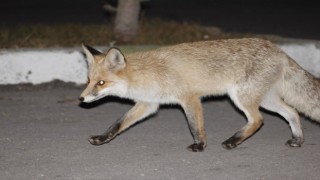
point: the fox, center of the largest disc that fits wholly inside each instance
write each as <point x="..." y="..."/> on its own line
<point x="253" y="72"/>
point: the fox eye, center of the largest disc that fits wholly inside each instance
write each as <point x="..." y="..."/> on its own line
<point x="101" y="82"/>
<point x="88" y="81"/>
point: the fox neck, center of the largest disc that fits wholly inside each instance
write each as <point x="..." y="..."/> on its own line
<point x="145" y="87"/>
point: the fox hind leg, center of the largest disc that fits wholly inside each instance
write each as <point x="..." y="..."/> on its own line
<point x="251" y="110"/>
<point x="254" y="123"/>
<point x="274" y="103"/>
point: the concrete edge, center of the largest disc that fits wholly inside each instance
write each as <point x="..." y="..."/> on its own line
<point x="37" y="66"/>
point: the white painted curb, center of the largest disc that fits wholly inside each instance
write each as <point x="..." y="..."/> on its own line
<point x="34" y="66"/>
<point x="306" y="55"/>
<point x="39" y="66"/>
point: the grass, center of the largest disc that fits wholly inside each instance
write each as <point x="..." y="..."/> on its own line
<point x="152" y="32"/>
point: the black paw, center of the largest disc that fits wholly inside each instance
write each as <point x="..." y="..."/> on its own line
<point x="197" y="147"/>
<point x="232" y="142"/>
<point x="229" y="145"/>
<point x="112" y="132"/>
<point x="295" y="142"/>
<point x="99" y="139"/>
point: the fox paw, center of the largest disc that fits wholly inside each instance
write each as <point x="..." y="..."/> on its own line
<point x="294" y="142"/>
<point x="112" y="132"/>
<point x="229" y="145"/>
<point x="99" y="139"/>
<point x="233" y="141"/>
<point x="197" y="147"/>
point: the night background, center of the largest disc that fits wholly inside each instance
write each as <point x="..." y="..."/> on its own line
<point x="297" y="19"/>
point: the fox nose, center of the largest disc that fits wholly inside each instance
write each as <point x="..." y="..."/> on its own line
<point x="81" y="98"/>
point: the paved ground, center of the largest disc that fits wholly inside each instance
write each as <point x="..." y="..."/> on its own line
<point x="44" y="131"/>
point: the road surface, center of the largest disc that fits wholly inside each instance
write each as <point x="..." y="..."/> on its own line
<point x="44" y="134"/>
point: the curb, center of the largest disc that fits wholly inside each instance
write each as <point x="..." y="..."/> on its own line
<point x="39" y="66"/>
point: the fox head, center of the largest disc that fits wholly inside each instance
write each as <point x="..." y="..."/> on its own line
<point x="106" y="74"/>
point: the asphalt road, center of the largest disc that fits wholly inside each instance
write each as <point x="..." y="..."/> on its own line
<point x="294" y="19"/>
<point x="44" y="132"/>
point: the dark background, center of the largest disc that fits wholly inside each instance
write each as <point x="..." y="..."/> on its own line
<point x="288" y="18"/>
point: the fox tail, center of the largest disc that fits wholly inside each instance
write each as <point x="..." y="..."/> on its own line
<point x="301" y="90"/>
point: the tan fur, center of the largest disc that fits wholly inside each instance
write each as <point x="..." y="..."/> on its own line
<point x="253" y="72"/>
<point x="138" y="112"/>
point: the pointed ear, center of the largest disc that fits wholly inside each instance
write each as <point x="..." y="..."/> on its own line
<point x="115" y="59"/>
<point x="90" y="52"/>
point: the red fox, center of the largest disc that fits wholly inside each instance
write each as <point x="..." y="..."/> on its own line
<point x="253" y="72"/>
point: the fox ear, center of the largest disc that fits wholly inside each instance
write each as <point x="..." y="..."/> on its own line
<point x="90" y="52"/>
<point x="115" y="59"/>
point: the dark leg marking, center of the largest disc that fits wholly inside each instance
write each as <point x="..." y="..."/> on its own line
<point x="233" y="141"/>
<point x="106" y="137"/>
<point x="197" y="147"/>
<point x="295" y="142"/>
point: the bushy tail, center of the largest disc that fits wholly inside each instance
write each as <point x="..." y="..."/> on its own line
<point x="301" y="90"/>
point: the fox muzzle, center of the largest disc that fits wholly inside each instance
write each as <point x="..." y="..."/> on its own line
<point x="81" y="99"/>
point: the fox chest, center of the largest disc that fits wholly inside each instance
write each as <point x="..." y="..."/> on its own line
<point x="154" y="95"/>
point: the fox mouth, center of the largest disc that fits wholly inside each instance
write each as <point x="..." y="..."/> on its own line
<point x="91" y="98"/>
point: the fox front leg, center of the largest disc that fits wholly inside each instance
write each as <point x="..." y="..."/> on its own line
<point x="138" y="112"/>
<point x="193" y="110"/>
